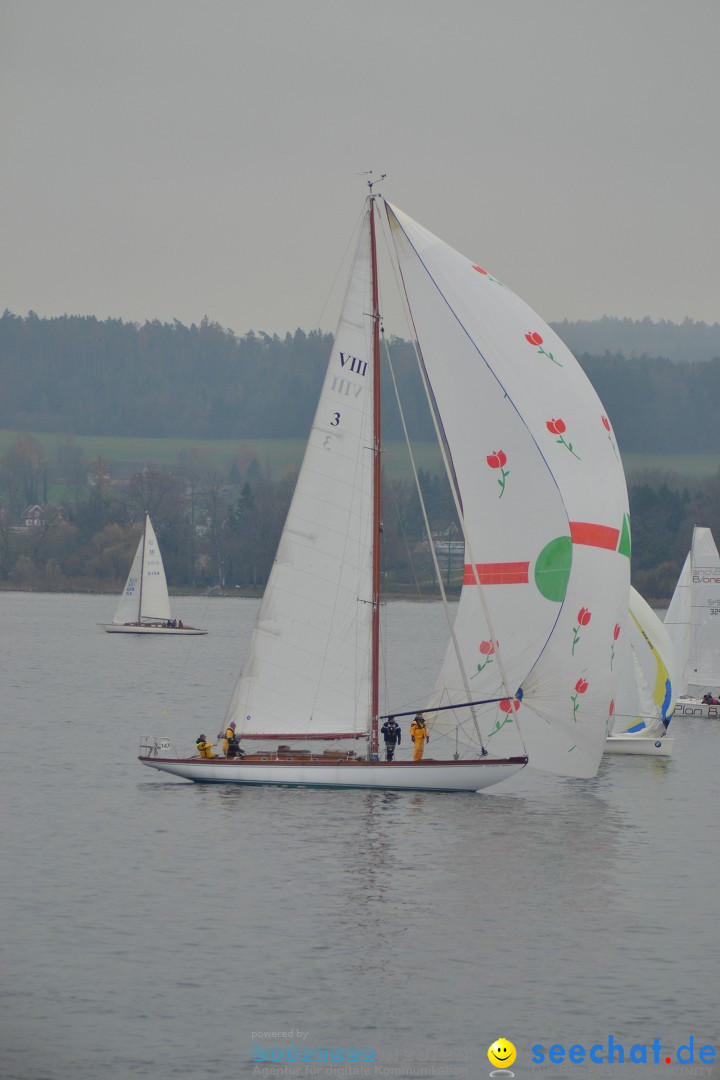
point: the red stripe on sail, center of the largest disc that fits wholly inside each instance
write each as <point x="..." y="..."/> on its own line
<point x="600" y="536"/>
<point x="497" y="573"/>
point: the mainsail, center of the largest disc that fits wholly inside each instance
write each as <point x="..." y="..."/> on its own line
<point x="308" y="673"/>
<point x="145" y="596"/>
<point x="544" y="510"/>
<point x="693" y="618"/>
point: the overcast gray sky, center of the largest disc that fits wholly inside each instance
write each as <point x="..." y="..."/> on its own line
<point x="175" y="159"/>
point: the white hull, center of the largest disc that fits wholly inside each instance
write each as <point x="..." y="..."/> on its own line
<point x="122" y="628"/>
<point x="388" y="776"/>
<point x="644" y="745"/>
<point x="696" y="707"/>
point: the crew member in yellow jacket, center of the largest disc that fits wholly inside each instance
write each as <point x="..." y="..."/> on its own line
<point x="226" y="736"/>
<point x="205" y="747"/>
<point x="419" y="736"/>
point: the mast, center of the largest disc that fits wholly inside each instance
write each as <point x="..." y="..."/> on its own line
<point x="377" y="523"/>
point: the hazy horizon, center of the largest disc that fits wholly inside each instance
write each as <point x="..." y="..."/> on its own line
<point x="177" y="160"/>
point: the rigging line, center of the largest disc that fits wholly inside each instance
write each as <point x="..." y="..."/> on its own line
<point x="447" y="708"/>
<point x="453" y="486"/>
<point x="340" y="266"/>
<point x="436" y="566"/>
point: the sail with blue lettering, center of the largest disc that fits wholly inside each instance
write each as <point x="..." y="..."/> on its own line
<point x="145" y="596"/>
<point x="693" y="618"/>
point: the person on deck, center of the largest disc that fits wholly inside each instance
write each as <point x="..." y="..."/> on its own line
<point x="233" y="747"/>
<point x="205" y="747"/>
<point x="419" y="736"/>
<point x="392" y="734"/>
<point x="226" y="736"/>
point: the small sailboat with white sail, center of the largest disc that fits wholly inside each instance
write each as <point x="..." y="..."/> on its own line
<point x="643" y="705"/>
<point x="541" y="500"/>
<point x="693" y="623"/>
<point x="144" y="607"/>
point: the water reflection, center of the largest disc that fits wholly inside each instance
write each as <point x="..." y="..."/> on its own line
<point x="365" y="911"/>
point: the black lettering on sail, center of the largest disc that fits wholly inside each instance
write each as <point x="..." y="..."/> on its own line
<point x="356" y="365"/>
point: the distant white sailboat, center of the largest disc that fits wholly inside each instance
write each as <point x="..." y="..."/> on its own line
<point x="645" y="696"/>
<point x="693" y="623"/>
<point x="545" y="527"/>
<point x="144" y="606"/>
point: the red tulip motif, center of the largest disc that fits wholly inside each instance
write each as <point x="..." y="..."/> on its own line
<point x="509" y="707"/>
<point x="487" y="648"/>
<point x="557" y="427"/>
<point x="583" y="619"/>
<point x="580" y="688"/>
<point x="609" y="722"/>
<point x="616" y="635"/>
<point x="497" y="460"/>
<point x="533" y="338"/>
<point x="483" y="271"/>
<point x="606" y="425"/>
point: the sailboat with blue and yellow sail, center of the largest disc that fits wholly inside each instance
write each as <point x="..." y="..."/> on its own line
<point x="643" y="706"/>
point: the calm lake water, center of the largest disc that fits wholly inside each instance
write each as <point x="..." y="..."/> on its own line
<point x="152" y="928"/>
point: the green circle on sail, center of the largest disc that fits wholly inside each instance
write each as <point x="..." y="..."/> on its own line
<point x="552" y="568"/>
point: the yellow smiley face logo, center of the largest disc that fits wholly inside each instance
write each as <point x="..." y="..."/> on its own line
<point x="502" y="1053"/>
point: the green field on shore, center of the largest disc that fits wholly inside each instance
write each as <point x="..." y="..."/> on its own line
<point x="275" y="456"/>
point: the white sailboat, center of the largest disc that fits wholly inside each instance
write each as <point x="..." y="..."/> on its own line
<point x="693" y="623"/>
<point x="546" y="532"/>
<point x="645" y="696"/>
<point x="144" y="607"/>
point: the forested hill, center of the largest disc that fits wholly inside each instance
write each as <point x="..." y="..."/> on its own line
<point x="687" y="341"/>
<point x="110" y="377"/>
